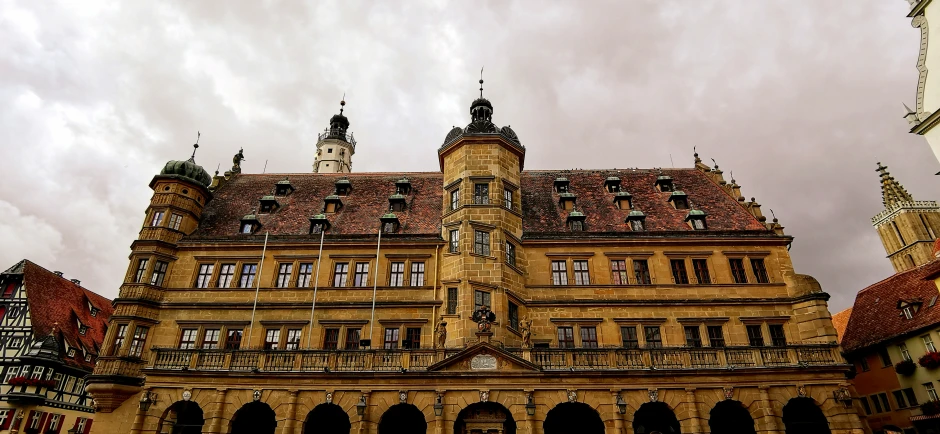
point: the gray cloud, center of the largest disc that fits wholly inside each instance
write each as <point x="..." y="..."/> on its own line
<point x="798" y="99"/>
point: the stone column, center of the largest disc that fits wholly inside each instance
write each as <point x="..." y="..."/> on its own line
<point x="770" y="421"/>
<point x="618" y="418"/>
<point x="219" y="413"/>
<point x="696" y="421"/>
<point x="291" y="413"/>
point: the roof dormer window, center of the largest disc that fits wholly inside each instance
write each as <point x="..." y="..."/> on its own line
<point x="390" y="223"/>
<point x="88" y="357"/>
<point x="332" y="204"/>
<point x="396" y="202"/>
<point x="403" y="186"/>
<point x="343" y="187"/>
<point x="94" y="311"/>
<point x="696" y="219"/>
<point x="623" y="200"/>
<point x="909" y="307"/>
<point x="283" y="188"/>
<point x="249" y="224"/>
<point x="319" y="224"/>
<point x="269" y="204"/>
<point x="612" y="184"/>
<point x="71" y="352"/>
<point x="679" y="200"/>
<point x="637" y="221"/>
<point x="82" y="330"/>
<point x="561" y="185"/>
<point x="576" y="221"/>
<point x="567" y="200"/>
<point x="664" y="183"/>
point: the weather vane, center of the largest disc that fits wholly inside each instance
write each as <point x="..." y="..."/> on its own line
<point x="196" y="145"/>
<point x="481" y="82"/>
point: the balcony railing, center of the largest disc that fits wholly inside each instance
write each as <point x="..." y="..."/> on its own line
<point x="340" y="135"/>
<point x="548" y="359"/>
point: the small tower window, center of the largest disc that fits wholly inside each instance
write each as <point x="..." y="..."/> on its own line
<point x="329" y="150"/>
<point x="664" y="183"/>
<point x="623" y="200"/>
<point x="481" y="194"/>
<point x="561" y="185"/>
<point x="612" y="184"/>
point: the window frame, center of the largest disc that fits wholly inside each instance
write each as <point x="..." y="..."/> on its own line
<point x="715" y="340"/>
<point x="693" y="336"/>
<point x="330" y="338"/>
<point x="138" y="341"/>
<point x="285" y="273"/>
<point x="187" y="338"/>
<point x="454" y="241"/>
<point x="176" y="220"/>
<point x="361" y="274"/>
<point x="247" y="274"/>
<point x="158" y="275"/>
<point x="755" y="335"/>
<point x="508" y="198"/>
<point x="588" y="335"/>
<point x="928" y="343"/>
<point x="700" y="269"/>
<point x="759" y="268"/>
<point x="481" y="193"/>
<point x="680" y="273"/>
<point x="738" y="273"/>
<point x="204" y="274"/>
<point x="481" y="242"/>
<point x="141" y="272"/>
<point x="452" y="300"/>
<point x="482" y="298"/>
<point x="391" y="338"/>
<point x="618" y="272"/>
<point x="234" y="337"/>
<point x="652" y="336"/>
<point x="512" y="315"/>
<point x="582" y="277"/>
<point x="340" y="274"/>
<point x="510" y="253"/>
<point x="304" y="277"/>
<point x="641" y="272"/>
<point x="559" y="272"/>
<point x="156" y="218"/>
<point x="396" y="273"/>
<point x="565" y="336"/>
<point x="778" y="335"/>
<point x="226" y="275"/>
<point x="629" y="340"/>
<point x="931" y="391"/>
<point x="455" y="199"/>
<point x="416" y="277"/>
<point x="413" y="337"/>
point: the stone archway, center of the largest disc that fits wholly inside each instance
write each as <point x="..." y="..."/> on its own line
<point x="730" y="417"/>
<point x="253" y="418"/>
<point x="327" y="419"/>
<point x="803" y="416"/>
<point x="183" y="417"/>
<point x="403" y="419"/>
<point x="485" y="418"/>
<point x="573" y="417"/>
<point x="655" y="417"/>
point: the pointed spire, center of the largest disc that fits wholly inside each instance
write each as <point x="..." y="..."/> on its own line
<point x="195" y="147"/>
<point x="892" y="191"/>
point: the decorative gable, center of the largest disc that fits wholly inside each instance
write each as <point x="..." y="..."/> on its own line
<point x="483" y="357"/>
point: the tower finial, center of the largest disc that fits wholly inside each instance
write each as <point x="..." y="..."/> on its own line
<point x="892" y="191"/>
<point x="481" y="82"/>
<point x="195" y="146"/>
<point x="342" y="103"/>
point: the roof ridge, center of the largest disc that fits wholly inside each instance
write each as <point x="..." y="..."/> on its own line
<point x="897" y="275"/>
<point x="66" y="280"/>
<point x="734" y="199"/>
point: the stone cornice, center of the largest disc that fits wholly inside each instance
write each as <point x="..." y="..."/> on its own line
<point x="899" y="207"/>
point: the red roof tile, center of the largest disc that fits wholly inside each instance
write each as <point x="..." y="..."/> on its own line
<point x="840" y="321"/>
<point x="876" y="317"/>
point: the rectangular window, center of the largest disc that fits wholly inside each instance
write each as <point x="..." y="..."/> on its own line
<point x="899" y="399"/>
<point x="233" y="339"/>
<point x="588" y="337"/>
<point x="284" y="271"/>
<point x="293" y="339"/>
<point x="362" y="274"/>
<point x="693" y="337"/>
<point x="654" y="339"/>
<point x="303" y="275"/>
<point x="931" y="392"/>
<point x="513" y="314"/>
<point x="906" y="355"/>
<point x="37" y="373"/>
<point x="159" y="272"/>
<point x="188" y="339"/>
<point x="157" y="218"/>
<point x="391" y="339"/>
<point x="451" y="301"/>
<point x="413" y="335"/>
<point x="911" y="397"/>
<point x="417" y="274"/>
<point x="863" y="362"/>
<point x="481" y="298"/>
<point x="330" y="339"/>
<point x="716" y="336"/>
<point x="396" y="276"/>
<point x="618" y="269"/>
<point x="247" y="277"/>
<point x="641" y="270"/>
<point x="205" y="274"/>
<point x="679" y="275"/>
<point x="760" y="271"/>
<point x="885" y="358"/>
<point x="565" y="337"/>
<point x="226" y="273"/>
<point x="507" y="198"/>
<point x="884" y="401"/>
<point x="12" y="372"/>
<point x="636" y="225"/>
<point x="777" y="337"/>
<point x="352" y="339"/>
<point x="340" y="272"/>
<point x="141" y="270"/>
<point x="737" y="270"/>
<point x="581" y="274"/>
<point x="559" y="273"/>
<point x="454" y="240"/>
<point x="865" y="404"/>
<point x="454" y="199"/>
<point x="119" y="338"/>
<point x="210" y="340"/>
<point x="272" y="338"/>
<point x="510" y="253"/>
<point x="481" y="194"/>
<point x="175" y="221"/>
<point x="481" y="243"/>
<point x="137" y="344"/>
<point x="877" y="403"/>
<point x="629" y="337"/>
<point x="928" y="344"/>
<point x="701" y="271"/>
<point x="755" y="337"/>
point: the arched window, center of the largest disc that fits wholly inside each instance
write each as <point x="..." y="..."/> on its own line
<point x="183" y="417"/>
<point x="403" y="419"/>
<point x="573" y="417"/>
<point x="655" y="417"/>
<point x="327" y="419"/>
<point x="730" y="417"/>
<point x="484" y="417"/>
<point x="803" y="416"/>
<point x="254" y="418"/>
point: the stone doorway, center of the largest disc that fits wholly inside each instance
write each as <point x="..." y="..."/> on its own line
<point x="730" y="417"/>
<point x="655" y="418"/>
<point x="183" y="417"/>
<point x="485" y="418"/>
<point x="254" y="418"/>
<point x="403" y="419"/>
<point x="327" y="419"/>
<point x="803" y="416"/>
<point x="573" y="417"/>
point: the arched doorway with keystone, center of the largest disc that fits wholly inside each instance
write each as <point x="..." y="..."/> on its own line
<point x="655" y="418"/>
<point x="403" y="419"/>
<point x="327" y="419"/>
<point x="573" y="417"/>
<point x="485" y="418"/>
<point x="254" y="418"/>
<point x="803" y="416"/>
<point x="730" y="417"/>
<point x="183" y="417"/>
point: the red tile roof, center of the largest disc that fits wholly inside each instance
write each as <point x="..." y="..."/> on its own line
<point x="56" y="302"/>
<point x="840" y="321"/>
<point x="876" y="317"/>
<point x="542" y="214"/>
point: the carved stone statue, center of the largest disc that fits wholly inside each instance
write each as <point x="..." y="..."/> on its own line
<point x="441" y="333"/>
<point x="484" y="318"/>
<point x="525" y="326"/>
<point x="237" y="161"/>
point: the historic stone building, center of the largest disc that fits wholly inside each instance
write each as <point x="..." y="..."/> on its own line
<point x="481" y="298"/>
<point x="926" y="112"/>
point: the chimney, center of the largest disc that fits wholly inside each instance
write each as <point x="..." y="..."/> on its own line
<point x="77" y="282"/>
<point x="57" y="273"/>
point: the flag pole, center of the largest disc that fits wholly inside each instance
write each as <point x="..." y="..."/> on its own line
<point x="375" y="284"/>
<point x="316" y="282"/>
<point x="251" y="325"/>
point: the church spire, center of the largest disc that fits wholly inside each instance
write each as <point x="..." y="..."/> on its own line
<point x="892" y="191"/>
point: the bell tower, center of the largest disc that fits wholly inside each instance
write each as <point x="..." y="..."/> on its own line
<point x="907" y="227"/>
<point x="335" y="146"/>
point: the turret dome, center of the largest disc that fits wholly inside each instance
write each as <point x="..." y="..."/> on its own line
<point x="187" y="170"/>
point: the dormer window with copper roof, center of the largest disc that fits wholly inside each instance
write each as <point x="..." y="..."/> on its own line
<point x="664" y="183"/>
<point x="343" y="187"/>
<point x="332" y="203"/>
<point x="576" y="221"/>
<point x="319" y="224"/>
<point x="623" y="200"/>
<point x="250" y="224"/>
<point x="390" y="223"/>
<point x="696" y="219"/>
<point x="612" y="184"/>
<point x="637" y="221"/>
<point x="396" y="202"/>
<point x="561" y="185"/>
<point x="283" y="188"/>
<point x="567" y="200"/>
<point x="679" y="199"/>
<point x="403" y="186"/>
<point x="269" y="204"/>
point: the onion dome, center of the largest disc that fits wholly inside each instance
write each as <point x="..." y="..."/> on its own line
<point x="188" y="171"/>
<point x="339" y="123"/>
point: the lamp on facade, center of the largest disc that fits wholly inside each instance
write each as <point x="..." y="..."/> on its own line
<point x="146" y="399"/>
<point x="361" y="406"/>
<point x="439" y="406"/>
<point x="621" y="405"/>
<point x="530" y="405"/>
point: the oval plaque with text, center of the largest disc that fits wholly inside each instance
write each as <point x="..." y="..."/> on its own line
<point x="483" y="362"/>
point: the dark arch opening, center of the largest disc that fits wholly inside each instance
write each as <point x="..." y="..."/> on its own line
<point x="573" y="417"/>
<point x="892" y="429"/>
<point x="484" y="418"/>
<point x="655" y="417"/>
<point x="327" y="419"/>
<point x="183" y="417"/>
<point x="803" y="416"/>
<point x="254" y="418"/>
<point x="403" y="419"/>
<point x="730" y="417"/>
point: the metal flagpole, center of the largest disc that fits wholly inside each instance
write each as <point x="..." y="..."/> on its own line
<point x="375" y="284"/>
<point x="316" y="281"/>
<point x="251" y="326"/>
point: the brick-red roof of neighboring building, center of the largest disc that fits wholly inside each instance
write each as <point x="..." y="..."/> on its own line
<point x="876" y="317"/>
<point x="840" y="321"/>
<point x="542" y="214"/>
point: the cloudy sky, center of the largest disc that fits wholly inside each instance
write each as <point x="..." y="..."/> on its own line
<point x="798" y="98"/>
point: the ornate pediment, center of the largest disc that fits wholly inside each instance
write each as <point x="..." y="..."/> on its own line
<point x="484" y="357"/>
